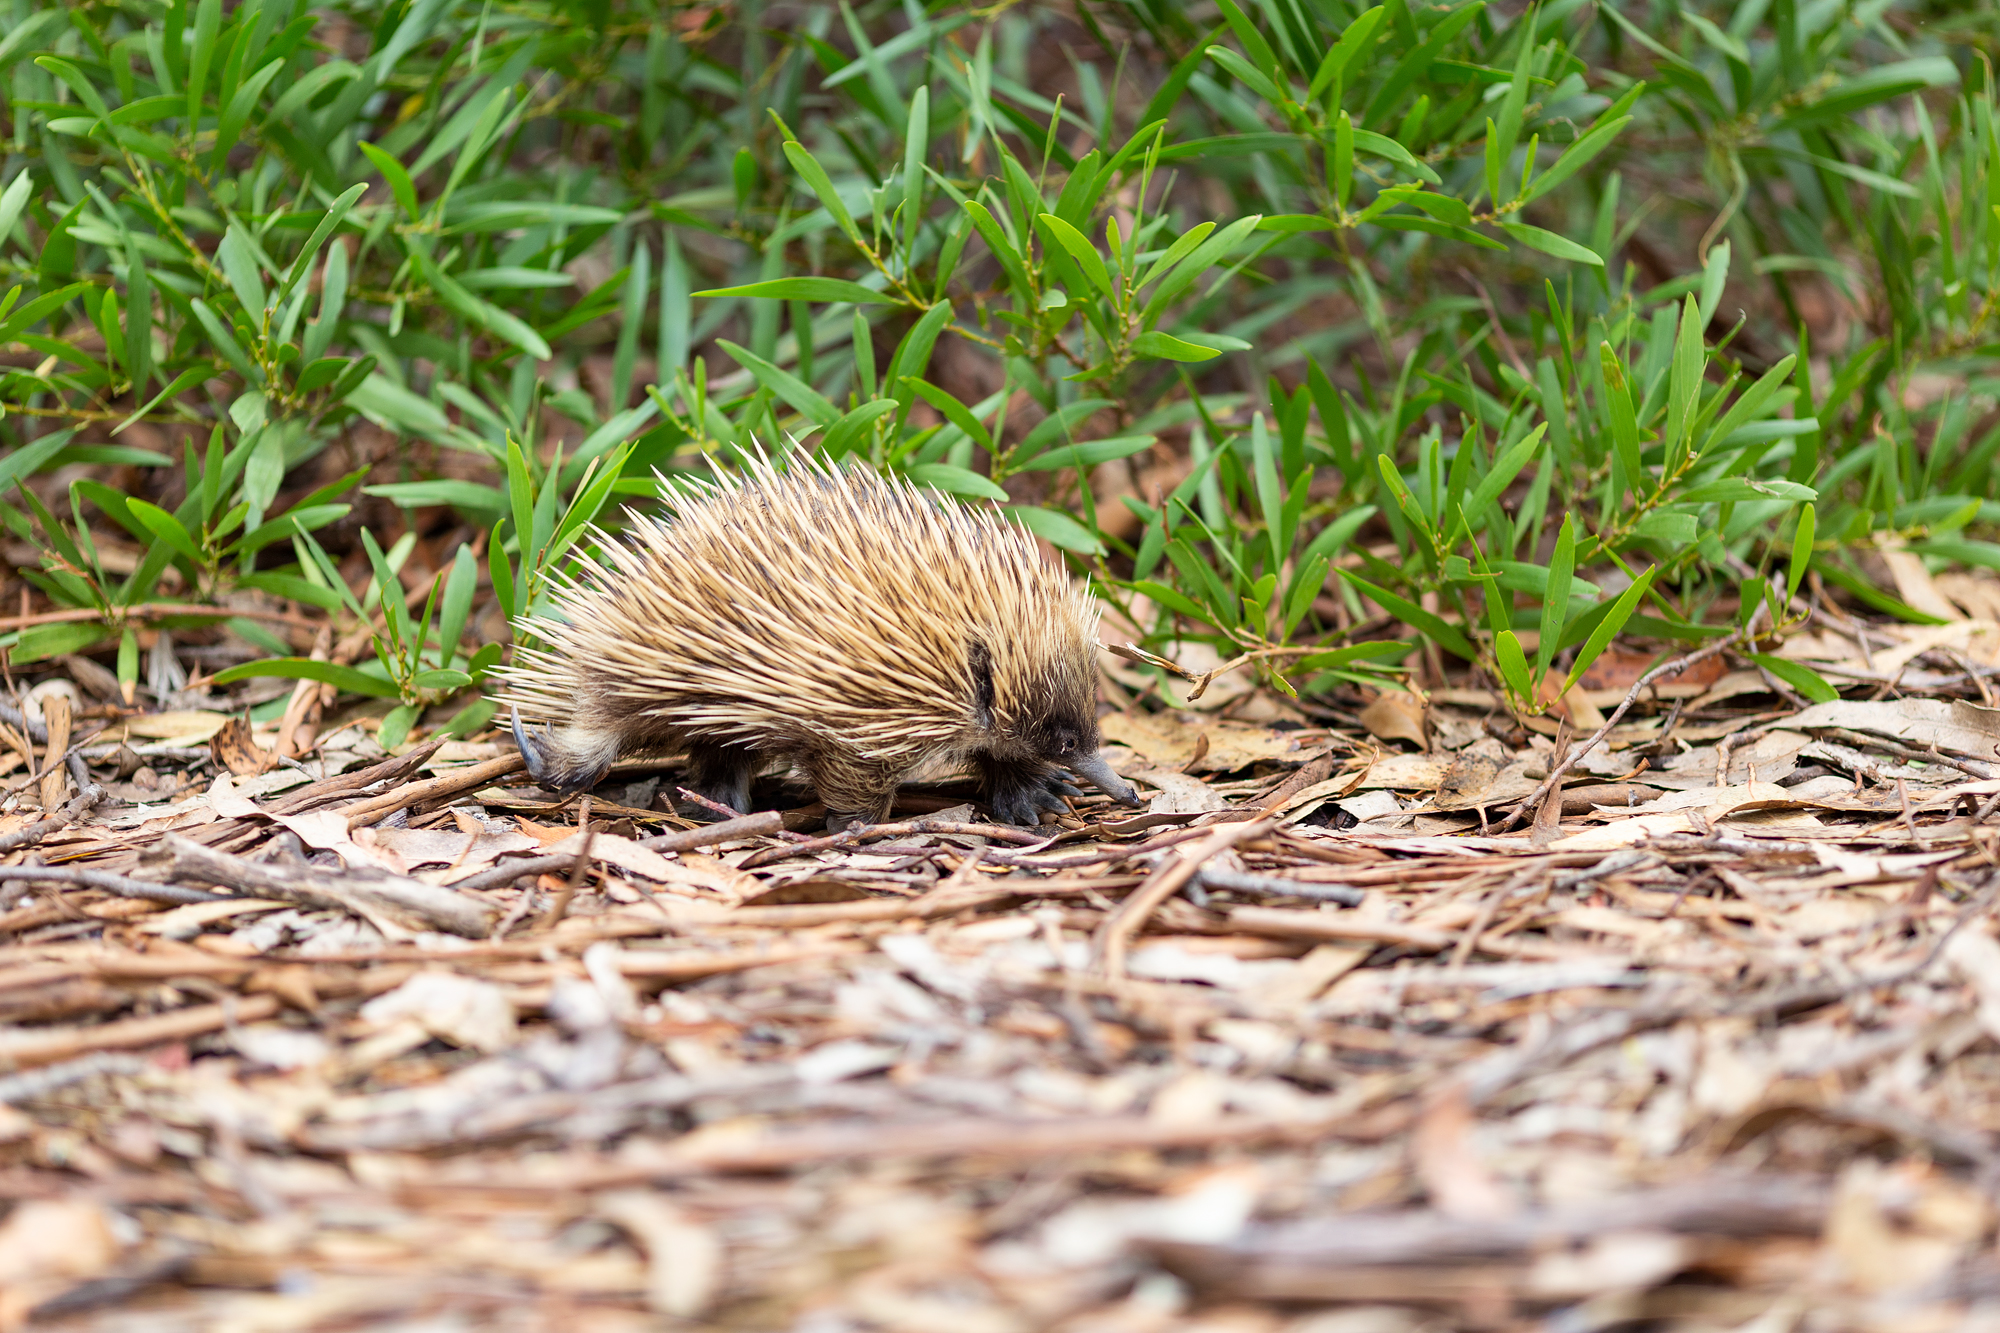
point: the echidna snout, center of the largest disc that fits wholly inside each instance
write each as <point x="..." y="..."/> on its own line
<point x="848" y="624"/>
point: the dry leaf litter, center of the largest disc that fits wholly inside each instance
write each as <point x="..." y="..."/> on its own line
<point x="1705" y="1037"/>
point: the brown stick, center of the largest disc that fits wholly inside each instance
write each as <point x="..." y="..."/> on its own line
<point x="1108" y="949"/>
<point x="303" y="708"/>
<point x="974" y="1137"/>
<point x="41" y="828"/>
<point x="996" y="832"/>
<point x="450" y="784"/>
<point x="408" y="901"/>
<point x="689" y="965"/>
<point x="40" y="1046"/>
<point x="507" y="872"/>
<point x="1289" y="924"/>
<point x="340" y="784"/>
<point x="156" y="611"/>
<point x="763" y="824"/>
<point x="580" y="866"/>
<point x="1671" y="668"/>
<point x="100" y="879"/>
<point x="55" y="713"/>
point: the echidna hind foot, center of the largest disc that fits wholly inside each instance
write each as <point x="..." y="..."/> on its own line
<point x="721" y="773"/>
<point x="567" y="758"/>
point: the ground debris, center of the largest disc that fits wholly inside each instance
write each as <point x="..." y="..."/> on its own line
<point x="1312" y="1045"/>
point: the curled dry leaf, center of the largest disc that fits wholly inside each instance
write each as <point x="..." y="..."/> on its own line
<point x="235" y="749"/>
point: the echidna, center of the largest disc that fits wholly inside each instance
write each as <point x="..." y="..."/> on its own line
<point x="850" y="624"/>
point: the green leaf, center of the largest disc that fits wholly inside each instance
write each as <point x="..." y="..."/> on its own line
<point x="225" y="342"/>
<point x="389" y="404"/>
<point x="850" y="430"/>
<point x="807" y="289"/>
<point x="32" y="458"/>
<point x="1438" y="630"/>
<point x="1249" y="74"/>
<point x="1555" y="601"/>
<point x="1166" y="347"/>
<point x="1506" y="133"/>
<point x="1609" y="627"/>
<point x="395" y="728"/>
<point x="1056" y="528"/>
<point x="1797" y="675"/>
<point x="321" y="373"/>
<point x="335" y="214"/>
<point x="1551" y="244"/>
<point x="1335" y="62"/>
<point x="1435" y="227"/>
<point x="517" y="214"/>
<point x="239" y="265"/>
<point x="34" y="311"/>
<point x="470" y="719"/>
<point x="1199" y="260"/>
<point x="1009" y="259"/>
<point x="821" y="184"/>
<point x="44" y="641"/>
<point x="208" y="21"/>
<point x="1802" y="551"/>
<point x="913" y="353"/>
<point x="956" y="481"/>
<point x="1393" y="481"/>
<point x="167" y="528"/>
<point x="957" y="413"/>
<point x="12" y="200"/>
<point x="1752" y="400"/>
<point x="1079" y="247"/>
<point x="1509" y="465"/>
<point x="74" y="77"/>
<point x="1732" y="489"/>
<point x="1624" y="425"/>
<point x="392" y="171"/>
<point x="1576" y="157"/>
<point x="785" y="385"/>
<point x="229" y="127"/>
<point x="1513" y="665"/>
<point x="1381" y="145"/>
<point x="292" y="588"/>
<point x="1088" y="454"/>
<point x="1876" y="85"/>
<point x="1177" y="602"/>
<point x="473" y="495"/>
<point x="501" y="323"/>
<point x="1184" y="244"/>
<point x="1676" y="527"/>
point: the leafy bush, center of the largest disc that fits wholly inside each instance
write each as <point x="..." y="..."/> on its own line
<point x="1361" y="316"/>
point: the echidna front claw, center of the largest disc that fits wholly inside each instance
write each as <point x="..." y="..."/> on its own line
<point x="531" y="753"/>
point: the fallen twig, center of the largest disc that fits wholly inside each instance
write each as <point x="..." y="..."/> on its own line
<point x="1108" y="949"/>
<point x="24" y="1047"/>
<point x="42" y="1082"/>
<point x="417" y="793"/>
<point x="102" y="879"/>
<point x="1276" y="885"/>
<point x="1674" y="667"/>
<point x="995" y="832"/>
<point x="79" y="805"/>
<point x="412" y="902"/>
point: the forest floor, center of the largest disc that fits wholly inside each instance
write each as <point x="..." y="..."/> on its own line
<point x="1708" y="1039"/>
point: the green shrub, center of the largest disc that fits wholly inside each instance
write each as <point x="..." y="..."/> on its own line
<point x="1351" y="278"/>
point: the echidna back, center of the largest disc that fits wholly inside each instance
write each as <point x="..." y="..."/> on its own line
<point x="817" y="604"/>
